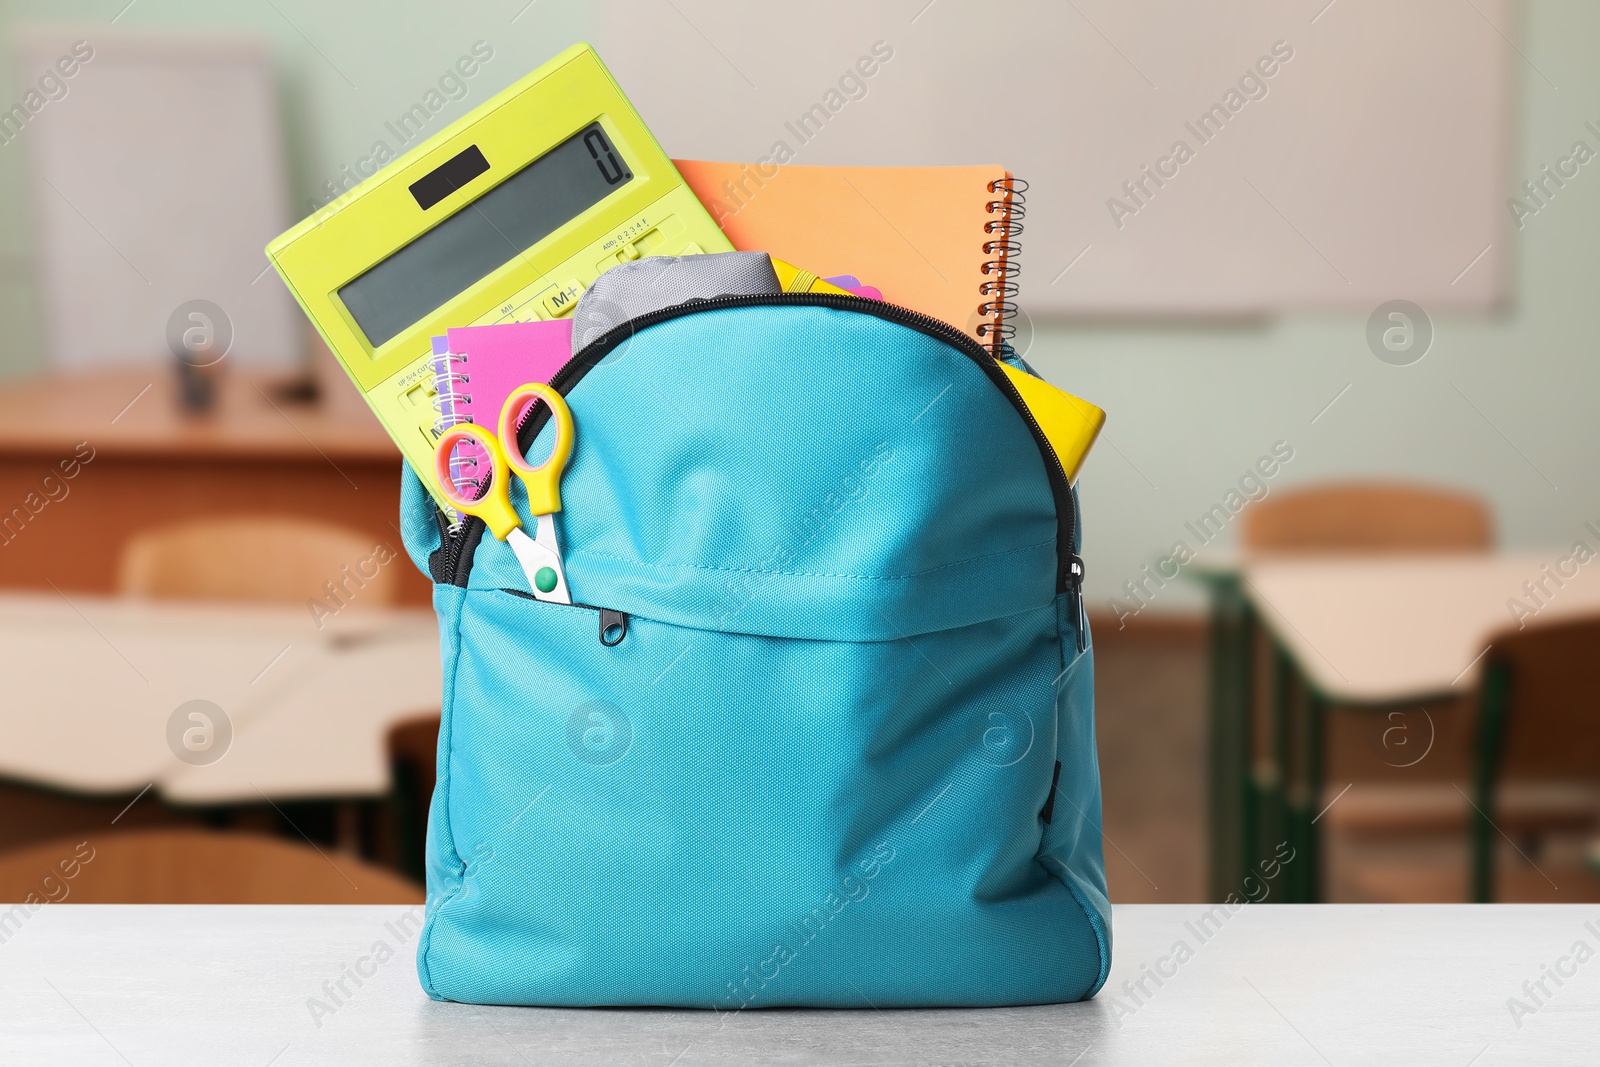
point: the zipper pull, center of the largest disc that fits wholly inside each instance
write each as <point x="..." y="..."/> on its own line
<point x="1075" y="589"/>
<point x="613" y="627"/>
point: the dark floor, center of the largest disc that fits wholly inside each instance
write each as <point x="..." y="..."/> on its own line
<point x="1150" y="694"/>
<point x="1150" y="691"/>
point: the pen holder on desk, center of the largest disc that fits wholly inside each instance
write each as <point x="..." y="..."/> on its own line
<point x="199" y="334"/>
<point x="197" y="387"/>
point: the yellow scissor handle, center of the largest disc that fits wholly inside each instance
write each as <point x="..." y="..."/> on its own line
<point x="494" y="506"/>
<point x="543" y="481"/>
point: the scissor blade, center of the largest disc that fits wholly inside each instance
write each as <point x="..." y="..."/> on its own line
<point x="536" y="556"/>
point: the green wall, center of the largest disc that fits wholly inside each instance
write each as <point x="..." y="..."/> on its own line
<point x="1192" y="404"/>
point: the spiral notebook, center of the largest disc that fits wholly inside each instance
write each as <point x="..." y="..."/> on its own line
<point x="480" y="366"/>
<point x="476" y="367"/>
<point x="939" y="240"/>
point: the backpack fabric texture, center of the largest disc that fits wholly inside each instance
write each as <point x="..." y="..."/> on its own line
<point x="831" y="741"/>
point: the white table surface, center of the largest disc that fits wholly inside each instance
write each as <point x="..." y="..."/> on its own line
<point x="1279" y="985"/>
<point x="91" y="682"/>
<point x="1376" y="629"/>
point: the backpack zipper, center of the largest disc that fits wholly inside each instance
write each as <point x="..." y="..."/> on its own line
<point x="457" y="547"/>
<point x="613" y="624"/>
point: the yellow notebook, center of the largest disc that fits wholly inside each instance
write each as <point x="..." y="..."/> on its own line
<point x="1070" y="423"/>
<point x="939" y="240"/>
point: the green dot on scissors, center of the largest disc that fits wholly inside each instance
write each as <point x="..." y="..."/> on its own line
<point x="545" y="579"/>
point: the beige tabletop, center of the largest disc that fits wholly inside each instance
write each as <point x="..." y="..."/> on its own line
<point x="326" y="736"/>
<point x="1377" y="629"/>
<point x="92" y="683"/>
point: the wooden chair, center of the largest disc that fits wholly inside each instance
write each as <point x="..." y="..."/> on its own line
<point x="261" y="558"/>
<point x="194" y="867"/>
<point x="1538" y="724"/>
<point x="1535" y="777"/>
<point x="1367" y="517"/>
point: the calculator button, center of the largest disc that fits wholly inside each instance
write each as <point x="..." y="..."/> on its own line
<point x="563" y="300"/>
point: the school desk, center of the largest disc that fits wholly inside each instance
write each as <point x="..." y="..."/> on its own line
<point x="1369" y="632"/>
<point x="1317" y="985"/>
<point x="327" y="736"/>
<point x="92" y="683"/>
<point x="153" y="465"/>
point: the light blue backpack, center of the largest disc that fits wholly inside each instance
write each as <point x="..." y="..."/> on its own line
<point x="825" y="736"/>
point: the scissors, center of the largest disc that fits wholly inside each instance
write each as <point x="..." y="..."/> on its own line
<point x="540" y="557"/>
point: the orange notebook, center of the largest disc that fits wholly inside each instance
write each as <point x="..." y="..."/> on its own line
<point x="939" y="240"/>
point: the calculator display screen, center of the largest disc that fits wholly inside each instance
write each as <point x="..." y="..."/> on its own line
<point x="485" y="234"/>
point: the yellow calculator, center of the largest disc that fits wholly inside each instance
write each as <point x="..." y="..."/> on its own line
<point x="506" y="215"/>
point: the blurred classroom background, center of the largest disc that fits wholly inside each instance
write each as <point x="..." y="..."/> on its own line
<point x="1337" y="530"/>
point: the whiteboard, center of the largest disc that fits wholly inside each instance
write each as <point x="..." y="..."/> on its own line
<point x="1371" y="165"/>
<point x="156" y="180"/>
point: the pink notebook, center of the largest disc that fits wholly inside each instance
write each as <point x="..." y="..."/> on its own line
<point x="481" y="365"/>
<point x="487" y="362"/>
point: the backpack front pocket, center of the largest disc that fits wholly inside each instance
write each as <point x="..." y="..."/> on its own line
<point x="726" y="820"/>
